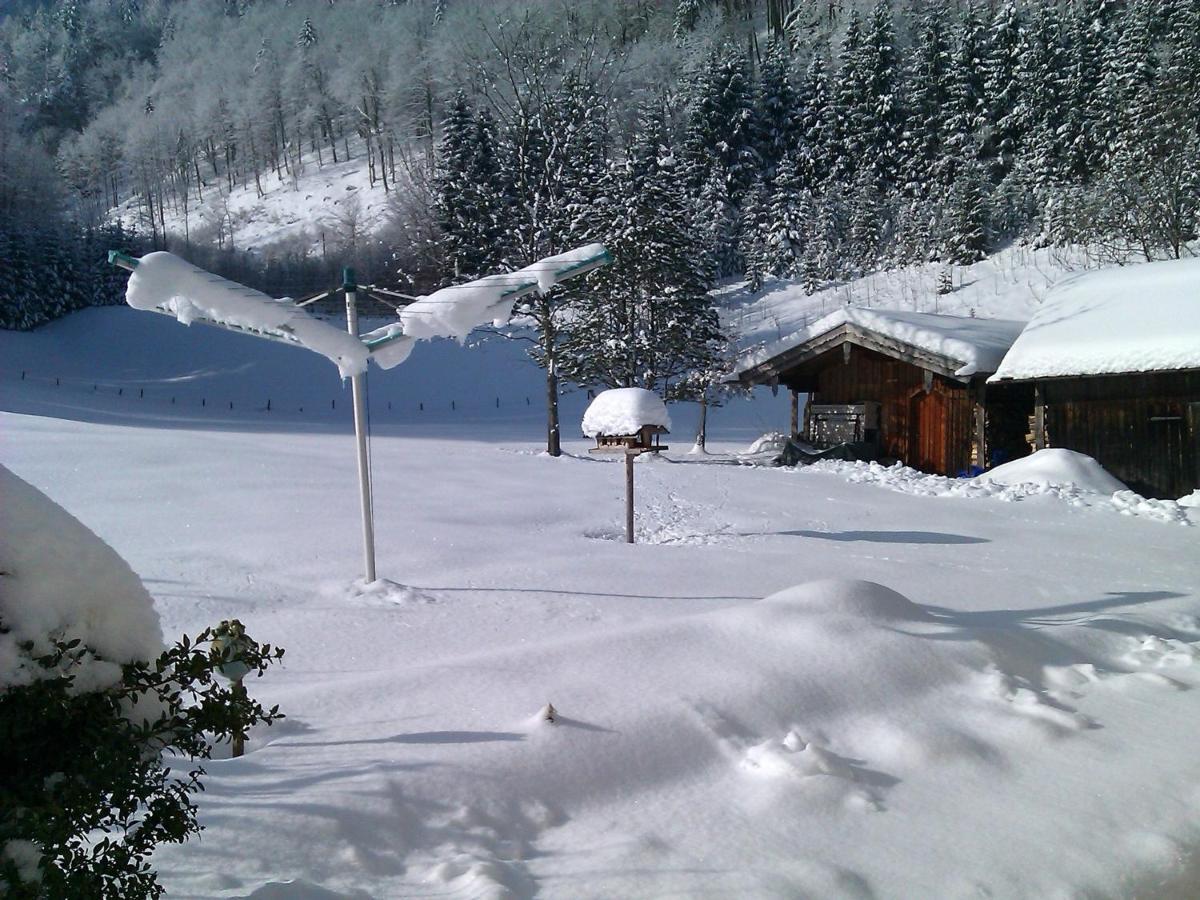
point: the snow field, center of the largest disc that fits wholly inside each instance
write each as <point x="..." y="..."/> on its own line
<point x="1005" y="715"/>
<point x="942" y="694"/>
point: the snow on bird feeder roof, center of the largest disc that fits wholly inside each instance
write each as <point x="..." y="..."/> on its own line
<point x="1142" y="318"/>
<point x="625" y="411"/>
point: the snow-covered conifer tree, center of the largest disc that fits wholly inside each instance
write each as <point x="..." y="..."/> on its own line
<point x="646" y="320"/>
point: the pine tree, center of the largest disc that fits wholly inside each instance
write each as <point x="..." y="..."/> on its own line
<point x="646" y="320"/>
<point x="720" y="127"/>
<point x="1007" y="112"/>
<point x="882" y="117"/>
<point x="784" y="222"/>
<point x="1045" y="84"/>
<point x="851" y="101"/>
<point x="929" y="91"/>
<point x="754" y="236"/>
<point x="963" y="236"/>
<point x="717" y="225"/>
<point x="817" y="125"/>
<point x="686" y="14"/>
<point x="965" y="113"/>
<point x="308" y="34"/>
<point x="465" y="200"/>
<point x="776" y="128"/>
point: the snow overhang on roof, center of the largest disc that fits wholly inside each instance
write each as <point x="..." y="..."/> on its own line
<point x="954" y="346"/>
<point x="1124" y="320"/>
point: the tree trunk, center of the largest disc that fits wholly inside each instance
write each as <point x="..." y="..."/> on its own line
<point x="553" y="442"/>
<point x="702" y="429"/>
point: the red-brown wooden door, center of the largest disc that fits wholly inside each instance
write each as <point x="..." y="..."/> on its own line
<point x="927" y="445"/>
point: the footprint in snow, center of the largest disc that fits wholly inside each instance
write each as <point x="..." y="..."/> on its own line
<point x="1162" y="653"/>
<point x="794" y="758"/>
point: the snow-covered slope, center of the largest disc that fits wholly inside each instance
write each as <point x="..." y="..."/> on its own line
<point x="319" y="207"/>
<point x="121" y="365"/>
<point x="1009" y="285"/>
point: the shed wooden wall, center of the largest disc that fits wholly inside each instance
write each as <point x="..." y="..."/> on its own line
<point x="1144" y="429"/>
<point x="930" y="433"/>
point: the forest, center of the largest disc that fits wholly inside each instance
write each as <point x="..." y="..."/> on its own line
<point x="699" y="139"/>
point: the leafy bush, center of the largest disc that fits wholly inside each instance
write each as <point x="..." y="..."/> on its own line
<point x="86" y="787"/>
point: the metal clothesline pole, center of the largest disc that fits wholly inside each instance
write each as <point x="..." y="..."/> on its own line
<point x="357" y="386"/>
<point x="375" y="343"/>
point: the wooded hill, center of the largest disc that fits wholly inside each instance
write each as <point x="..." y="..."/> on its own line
<point x="810" y="145"/>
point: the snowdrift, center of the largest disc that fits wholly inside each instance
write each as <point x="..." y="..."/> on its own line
<point x="1056" y="467"/>
<point x="58" y="580"/>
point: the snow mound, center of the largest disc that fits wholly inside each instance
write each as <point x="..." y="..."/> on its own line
<point x="1192" y="500"/>
<point x="58" y="580"/>
<point x="1055" y="466"/>
<point x="848" y="597"/>
<point x="164" y="282"/>
<point x="624" y="411"/>
<point x="1141" y="318"/>
<point x="771" y="442"/>
<point x="905" y="480"/>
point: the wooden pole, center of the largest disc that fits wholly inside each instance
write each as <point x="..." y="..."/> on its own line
<point x="629" y="497"/>
<point x="795" y="430"/>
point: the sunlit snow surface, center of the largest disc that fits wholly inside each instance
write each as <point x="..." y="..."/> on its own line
<point x="951" y="688"/>
<point x="1141" y="318"/>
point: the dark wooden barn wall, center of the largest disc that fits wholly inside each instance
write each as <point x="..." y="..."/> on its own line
<point x="1144" y="429"/>
<point x="931" y="431"/>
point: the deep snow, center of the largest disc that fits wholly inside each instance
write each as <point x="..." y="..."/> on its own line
<point x="952" y="688"/>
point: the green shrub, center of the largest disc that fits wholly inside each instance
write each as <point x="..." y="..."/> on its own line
<point x="87" y="788"/>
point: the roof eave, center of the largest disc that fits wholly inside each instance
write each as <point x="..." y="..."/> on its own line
<point x="770" y="370"/>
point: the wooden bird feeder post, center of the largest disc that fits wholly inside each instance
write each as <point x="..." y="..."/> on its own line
<point x="644" y="439"/>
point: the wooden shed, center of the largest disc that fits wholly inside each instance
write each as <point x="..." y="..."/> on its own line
<point x="908" y="386"/>
<point x="1112" y="359"/>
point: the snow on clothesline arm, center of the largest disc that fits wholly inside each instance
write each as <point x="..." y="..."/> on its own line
<point x="162" y="282"/>
<point x="454" y="311"/>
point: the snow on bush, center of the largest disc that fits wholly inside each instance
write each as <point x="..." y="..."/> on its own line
<point x="163" y="281"/>
<point x="59" y="581"/>
<point x="91" y="708"/>
<point x="624" y="411"/>
<point x="1056" y="466"/>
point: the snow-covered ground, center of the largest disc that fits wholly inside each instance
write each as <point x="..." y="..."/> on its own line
<point x="840" y="681"/>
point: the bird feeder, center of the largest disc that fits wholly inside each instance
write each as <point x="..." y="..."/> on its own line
<point x="628" y="421"/>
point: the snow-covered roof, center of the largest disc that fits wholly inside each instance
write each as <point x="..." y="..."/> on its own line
<point x="977" y="345"/>
<point x="624" y="411"/>
<point x="1143" y="318"/>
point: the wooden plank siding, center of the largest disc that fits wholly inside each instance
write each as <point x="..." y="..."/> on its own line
<point x="926" y="420"/>
<point x="1144" y="429"/>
